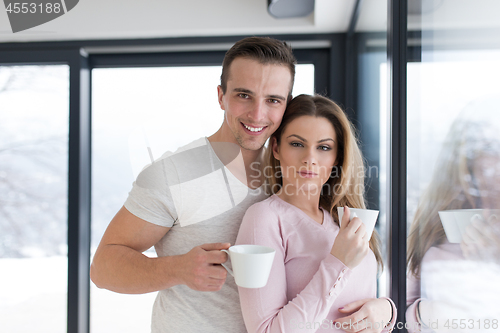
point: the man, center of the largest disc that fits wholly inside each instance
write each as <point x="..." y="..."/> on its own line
<point x="189" y="204"/>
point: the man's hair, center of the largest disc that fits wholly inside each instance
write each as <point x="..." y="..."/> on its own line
<point x="268" y="51"/>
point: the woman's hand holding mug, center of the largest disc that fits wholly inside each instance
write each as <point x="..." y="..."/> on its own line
<point x="352" y="242"/>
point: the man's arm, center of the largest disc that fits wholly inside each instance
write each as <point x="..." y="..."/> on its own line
<point x="120" y="266"/>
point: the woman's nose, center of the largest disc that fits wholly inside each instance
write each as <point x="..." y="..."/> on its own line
<point x="309" y="157"/>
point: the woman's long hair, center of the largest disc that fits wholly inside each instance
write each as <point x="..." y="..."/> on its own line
<point x="454" y="183"/>
<point x="345" y="187"/>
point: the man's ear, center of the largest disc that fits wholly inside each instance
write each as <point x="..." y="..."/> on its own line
<point x="220" y="94"/>
<point x="275" y="148"/>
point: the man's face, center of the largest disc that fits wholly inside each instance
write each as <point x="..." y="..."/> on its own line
<point x="254" y="101"/>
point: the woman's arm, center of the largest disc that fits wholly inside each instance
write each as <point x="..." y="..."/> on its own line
<point x="267" y="309"/>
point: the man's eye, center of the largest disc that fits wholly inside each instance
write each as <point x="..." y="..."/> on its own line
<point x="274" y="101"/>
<point x="243" y="95"/>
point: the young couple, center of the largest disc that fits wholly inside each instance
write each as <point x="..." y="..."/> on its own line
<point x="190" y="205"/>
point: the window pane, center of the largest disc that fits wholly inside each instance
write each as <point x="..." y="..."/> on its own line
<point x="371" y="116"/>
<point x="33" y="198"/>
<point x="304" y="80"/>
<point x="454" y="169"/>
<point x="135" y="112"/>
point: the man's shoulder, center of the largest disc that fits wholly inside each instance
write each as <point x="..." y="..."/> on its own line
<point x="189" y="156"/>
<point x="201" y="142"/>
<point x="166" y="169"/>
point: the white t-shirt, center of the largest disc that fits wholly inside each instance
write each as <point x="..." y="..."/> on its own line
<point x="193" y="193"/>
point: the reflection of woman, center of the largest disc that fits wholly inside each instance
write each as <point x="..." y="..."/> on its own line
<point x="323" y="275"/>
<point x="448" y="281"/>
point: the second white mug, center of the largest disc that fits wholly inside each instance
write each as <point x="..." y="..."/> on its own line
<point x="455" y="221"/>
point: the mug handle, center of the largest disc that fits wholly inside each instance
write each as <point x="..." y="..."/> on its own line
<point x="227" y="268"/>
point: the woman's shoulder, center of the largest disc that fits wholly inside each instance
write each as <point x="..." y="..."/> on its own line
<point x="262" y="221"/>
<point x="272" y="203"/>
<point x="266" y="211"/>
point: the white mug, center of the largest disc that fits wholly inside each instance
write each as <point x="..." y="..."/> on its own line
<point x="251" y="264"/>
<point x="367" y="216"/>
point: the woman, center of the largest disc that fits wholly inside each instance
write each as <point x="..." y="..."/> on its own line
<point x="323" y="276"/>
<point x="450" y="283"/>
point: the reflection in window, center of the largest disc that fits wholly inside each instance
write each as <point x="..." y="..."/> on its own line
<point x="453" y="196"/>
<point x="138" y="114"/>
<point x="33" y="198"/>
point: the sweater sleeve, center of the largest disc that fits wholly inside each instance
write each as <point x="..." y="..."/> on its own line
<point x="268" y="309"/>
<point x="390" y="326"/>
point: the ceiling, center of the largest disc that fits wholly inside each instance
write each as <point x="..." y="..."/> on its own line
<point x="133" y="19"/>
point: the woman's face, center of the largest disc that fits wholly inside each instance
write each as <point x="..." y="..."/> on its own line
<point x="307" y="154"/>
<point x="487" y="174"/>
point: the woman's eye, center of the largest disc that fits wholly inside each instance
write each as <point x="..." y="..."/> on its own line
<point x="325" y="148"/>
<point x="296" y="144"/>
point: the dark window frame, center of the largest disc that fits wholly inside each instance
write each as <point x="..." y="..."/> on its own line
<point x="397" y="38"/>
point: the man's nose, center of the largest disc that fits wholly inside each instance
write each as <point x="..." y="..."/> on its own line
<point x="258" y="111"/>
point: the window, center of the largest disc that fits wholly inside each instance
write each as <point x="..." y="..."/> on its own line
<point x="370" y="108"/>
<point x="453" y="168"/>
<point x="453" y="187"/>
<point x="33" y="198"/>
<point x="138" y="111"/>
